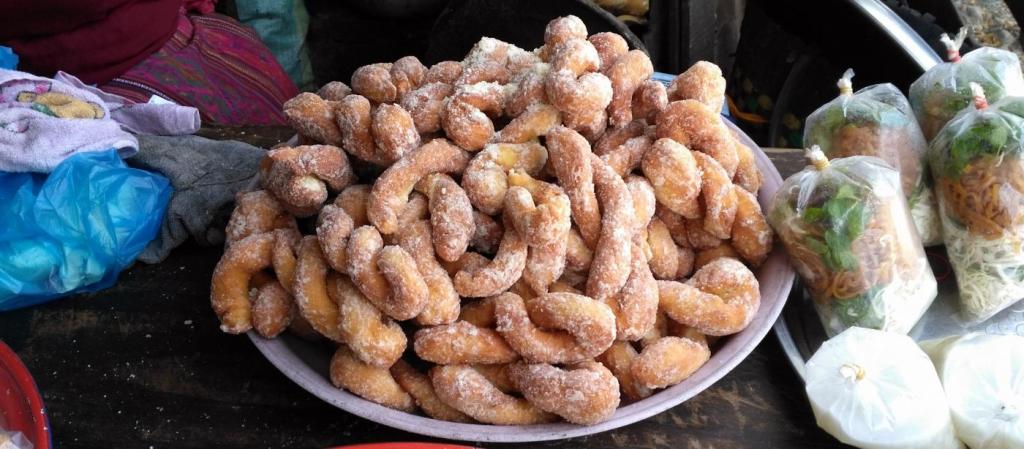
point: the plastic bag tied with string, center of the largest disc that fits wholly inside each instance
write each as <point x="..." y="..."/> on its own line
<point x="944" y="90"/>
<point x="848" y="233"/>
<point x="977" y="164"/>
<point x="878" y="121"/>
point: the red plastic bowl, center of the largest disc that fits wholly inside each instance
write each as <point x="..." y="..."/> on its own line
<point x="21" y="406"/>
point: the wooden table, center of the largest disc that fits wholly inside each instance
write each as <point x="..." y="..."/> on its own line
<point x="144" y="365"/>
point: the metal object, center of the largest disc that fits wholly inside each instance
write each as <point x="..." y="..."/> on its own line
<point x="906" y="37"/>
<point x="306" y="363"/>
<point x="801" y="333"/>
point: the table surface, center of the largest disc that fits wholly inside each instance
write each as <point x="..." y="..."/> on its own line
<point x="144" y="365"/>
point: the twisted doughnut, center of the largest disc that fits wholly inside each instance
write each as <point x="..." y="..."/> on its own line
<point x="443" y="304"/>
<point x="718" y="197"/>
<point x="720" y="299"/>
<point x="310" y="290"/>
<point x="332" y="230"/>
<point x="256" y="212"/>
<point x="573" y="86"/>
<point x="538" y="210"/>
<point x="487" y="233"/>
<point x="626" y="75"/>
<point x="313" y="117"/>
<point x="462" y="343"/>
<point x="561" y="30"/>
<point x="229" y="293"/>
<point x="537" y="120"/>
<point x="705" y="256"/>
<point x="609" y="46"/>
<point x="486" y="180"/>
<point x="644" y="201"/>
<point x="466" y="117"/>
<point x="394" y="131"/>
<point x="584" y="393"/>
<point x="387" y="275"/>
<point x="618" y="359"/>
<point x="418" y="386"/>
<point x="272" y="310"/>
<point x="751" y="236"/>
<point x="611" y="265"/>
<point x="391" y="191"/>
<point x="673" y="172"/>
<point x="692" y="124"/>
<point x="354" y="118"/>
<point x="373" y="337"/>
<point x="747" y="175"/>
<point x="499" y="274"/>
<point x="526" y="89"/>
<point x="635" y="307"/>
<point x="664" y="261"/>
<point x="668" y="361"/>
<point x="369" y="382"/>
<point x="334" y="91"/>
<point x="582" y="327"/>
<point x="649" y="99"/>
<point x="425" y="105"/>
<point x="703" y="82"/>
<point x="445" y="72"/>
<point x="451" y="215"/>
<point x="300" y="177"/>
<point x="468" y="391"/>
<point x="386" y="83"/>
<point x="570" y="157"/>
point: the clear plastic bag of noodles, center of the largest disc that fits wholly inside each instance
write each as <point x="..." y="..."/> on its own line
<point x="943" y="91"/>
<point x="848" y="232"/>
<point x="877" y="121"/>
<point x="979" y="179"/>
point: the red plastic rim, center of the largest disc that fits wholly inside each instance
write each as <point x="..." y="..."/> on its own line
<point x="404" y="446"/>
<point x="21" y="406"/>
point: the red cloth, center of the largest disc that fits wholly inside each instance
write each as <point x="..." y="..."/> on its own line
<point x="95" y="40"/>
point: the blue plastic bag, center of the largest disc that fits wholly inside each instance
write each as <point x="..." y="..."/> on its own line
<point x="8" y="59"/>
<point x="74" y="230"/>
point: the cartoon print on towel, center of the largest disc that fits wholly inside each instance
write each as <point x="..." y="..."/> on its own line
<point x="37" y="95"/>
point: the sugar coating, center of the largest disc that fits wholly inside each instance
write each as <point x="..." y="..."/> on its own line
<point x="367" y="381"/>
<point x="462" y="343"/>
<point x="310" y="289"/>
<point x="585" y="393"/>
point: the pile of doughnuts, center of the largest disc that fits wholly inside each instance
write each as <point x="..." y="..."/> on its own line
<point x="551" y="232"/>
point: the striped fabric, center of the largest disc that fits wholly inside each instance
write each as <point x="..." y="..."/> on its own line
<point x="217" y="65"/>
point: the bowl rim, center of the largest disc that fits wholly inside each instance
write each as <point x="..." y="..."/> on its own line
<point x="729" y="355"/>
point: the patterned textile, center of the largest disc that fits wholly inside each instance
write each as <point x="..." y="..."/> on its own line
<point x="216" y="65"/>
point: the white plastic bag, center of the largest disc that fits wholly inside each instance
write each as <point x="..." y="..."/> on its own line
<point x="878" y="390"/>
<point x="13" y="440"/>
<point x="983" y="376"/>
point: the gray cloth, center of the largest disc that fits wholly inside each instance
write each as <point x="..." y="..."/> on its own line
<point x="206" y="175"/>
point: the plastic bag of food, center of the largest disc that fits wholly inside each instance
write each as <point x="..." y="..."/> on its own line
<point x="877" y="121"/>
<point x="878" y="390"/>
<point x="977" y="164"/>
<point x="847" y="230"/>
<point x="983" y="376"/>
<point x="944" y="89"/>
